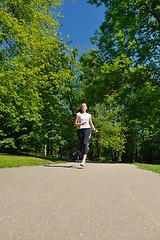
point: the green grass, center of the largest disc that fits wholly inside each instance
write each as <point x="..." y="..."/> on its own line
<point x="150" y="167"/>
<point x="8" y="161"/>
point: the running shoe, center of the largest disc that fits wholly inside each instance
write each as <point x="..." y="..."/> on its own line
<point x="82" y="163"/>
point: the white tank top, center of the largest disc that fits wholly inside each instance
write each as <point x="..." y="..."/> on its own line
<point x="83" y="118"/>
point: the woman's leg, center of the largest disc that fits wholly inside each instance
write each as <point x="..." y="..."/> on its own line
<point x="85" y="144"/>
<point x="87" y="134"/>
<point x="81" y="140"/>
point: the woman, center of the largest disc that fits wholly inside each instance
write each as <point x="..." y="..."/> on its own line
<point x="83" y="121"/>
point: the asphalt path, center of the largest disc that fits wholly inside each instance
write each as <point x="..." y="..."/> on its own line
<point x="66" y="202"/>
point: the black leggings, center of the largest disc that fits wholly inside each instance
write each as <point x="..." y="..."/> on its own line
<point x="84" y="135"/>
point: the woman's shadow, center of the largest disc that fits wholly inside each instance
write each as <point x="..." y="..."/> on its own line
<point x="62" y="166"/>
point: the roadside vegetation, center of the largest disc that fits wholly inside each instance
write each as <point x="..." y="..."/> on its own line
<point x="43" y="80"/>
<point x="150" y="167"/>
<point x="9" y="161"/>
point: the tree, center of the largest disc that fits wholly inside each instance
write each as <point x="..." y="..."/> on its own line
<point x="128" y="48"/>
<point x="100" y="84"/>
<point x="35" y="74"/>
<point x="131" y="95"/>
<point x="131" y="28"/>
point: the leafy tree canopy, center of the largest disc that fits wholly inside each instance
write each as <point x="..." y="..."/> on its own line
<point x="131" y="28"/>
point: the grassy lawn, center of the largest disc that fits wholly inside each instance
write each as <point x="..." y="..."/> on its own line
<point x="7" y="161"/>
<point x="150" y="167"/>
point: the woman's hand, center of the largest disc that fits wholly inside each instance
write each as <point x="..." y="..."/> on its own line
<point x="95" y="130"/>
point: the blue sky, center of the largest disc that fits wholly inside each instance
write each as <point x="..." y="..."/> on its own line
<point x="80" y="22"/>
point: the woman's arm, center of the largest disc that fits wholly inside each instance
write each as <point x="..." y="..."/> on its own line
<point x="91" y="124"/>
<point x="76" y="123"/>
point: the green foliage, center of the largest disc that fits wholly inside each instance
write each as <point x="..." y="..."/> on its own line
<point x="8" y="161"/>
<point x="132" y="29"/>
<point x="124" y="72"/>
<point x="41" y="82"/>
<point x="36" y="75"/>
<point x="149" y="167"/>
<point x="7" y="143"/>
<point x="100" y="83"/>
<point x="111" y="130"/>
<point x="125" y="102"/>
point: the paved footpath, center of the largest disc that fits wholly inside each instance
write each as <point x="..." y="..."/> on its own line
<point x="65" y="202"/>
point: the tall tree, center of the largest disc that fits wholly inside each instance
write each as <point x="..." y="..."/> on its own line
<point x="128" y="42"/>
<point x="35" y="72"/>
<point x="132" y="28"/>
<point x="126" y="104"/>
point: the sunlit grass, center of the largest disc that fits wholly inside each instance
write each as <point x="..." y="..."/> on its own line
<point x="8" y="161"/>
<point x="150" y="167"/>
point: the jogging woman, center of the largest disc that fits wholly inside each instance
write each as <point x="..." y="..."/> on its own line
<point x="84" y="122"/>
